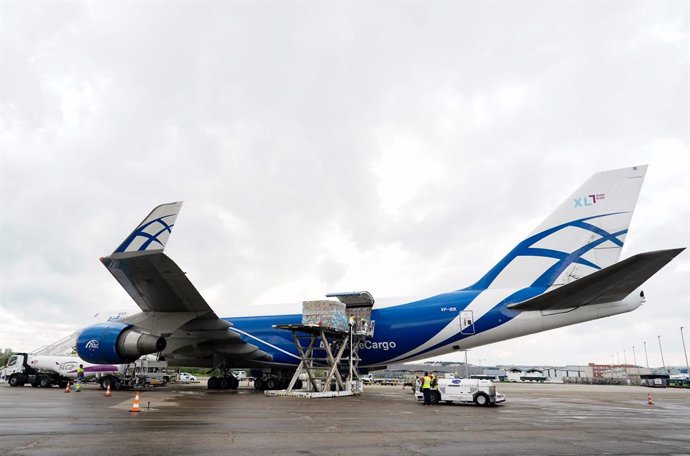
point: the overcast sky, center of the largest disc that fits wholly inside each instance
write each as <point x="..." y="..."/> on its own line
<point x="397" y="147"/>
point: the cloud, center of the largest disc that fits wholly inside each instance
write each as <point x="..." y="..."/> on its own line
<point x="402" y="148"/>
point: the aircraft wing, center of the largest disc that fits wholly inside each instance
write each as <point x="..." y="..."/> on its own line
<point x="171" y="305"/>
<point x="156" y="283"/>
<point x="610" y="284"/>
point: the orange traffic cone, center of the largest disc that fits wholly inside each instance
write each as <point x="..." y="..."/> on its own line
<point x="107" y="391"/>
<point x="649" y="399"/>
<point x="135" y="405"/>
<point x="67" y="390"/>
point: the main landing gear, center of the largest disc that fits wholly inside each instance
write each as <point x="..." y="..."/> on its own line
<point x="277" y="379"/>
<point x="223" y="383"/>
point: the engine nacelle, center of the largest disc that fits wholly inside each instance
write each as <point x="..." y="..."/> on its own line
<point x="116" y="343"/>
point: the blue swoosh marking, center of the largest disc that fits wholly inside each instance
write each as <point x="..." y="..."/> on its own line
<point x="500" y="314"/>
<point x="550" y="275"/>
<point x="547" y="253"/>
<point x="150" y="238"/>
<point x="523" y="248"/>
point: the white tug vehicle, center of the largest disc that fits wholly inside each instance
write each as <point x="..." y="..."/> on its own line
<point x="480" y="392"/>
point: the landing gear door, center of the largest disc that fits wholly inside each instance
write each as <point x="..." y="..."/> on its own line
<point x="466" y="322"/>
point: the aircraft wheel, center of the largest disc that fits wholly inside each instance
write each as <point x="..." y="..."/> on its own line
<point x="271" y="383"/>
<point x="481" y="399"/>
<point x="212" y="383"/>
<point x="259" y="384"/>
<point x="223" y="383"/>
<point x="105" y="381"/>
<point x="234" y="383"/>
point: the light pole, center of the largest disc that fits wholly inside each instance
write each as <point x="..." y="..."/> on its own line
<point x="639" y="379"/>
<point x="663" y="363"/>
<point x="684" y="351"/>
<point x="625" y="357"/>
<point x="467" y="368"/>
<point x="645" y="353"/>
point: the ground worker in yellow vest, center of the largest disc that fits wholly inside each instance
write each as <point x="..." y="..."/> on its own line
<point x="80" y="378"/>
<point x="426" y="388"/>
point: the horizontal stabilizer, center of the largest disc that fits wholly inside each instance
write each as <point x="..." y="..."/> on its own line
<point x="610" y="284"/>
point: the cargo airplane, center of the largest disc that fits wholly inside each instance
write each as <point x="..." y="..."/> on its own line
<point x="566" y="271"/>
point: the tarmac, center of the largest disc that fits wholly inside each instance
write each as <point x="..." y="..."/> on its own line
<point x="536" y="419"/>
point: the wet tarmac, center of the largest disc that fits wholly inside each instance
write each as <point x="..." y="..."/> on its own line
<point x="189" y="420"/>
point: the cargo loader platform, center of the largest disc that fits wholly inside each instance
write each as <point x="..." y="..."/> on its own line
<point x="328" y="341"/>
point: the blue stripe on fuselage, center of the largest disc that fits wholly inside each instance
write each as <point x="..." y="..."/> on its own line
<point x="399" y="329"/>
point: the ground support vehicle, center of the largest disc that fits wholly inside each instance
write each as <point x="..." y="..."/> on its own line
<point x="156" y="372"/>
<point x="141" y="374"/>
<point x="124" y="382"/>
<point x="480" y="392"/>
<point x="273" y="379"/>
<point x="46" y="370"/>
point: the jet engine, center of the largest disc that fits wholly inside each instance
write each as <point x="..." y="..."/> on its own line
<point x="116" y="343"/>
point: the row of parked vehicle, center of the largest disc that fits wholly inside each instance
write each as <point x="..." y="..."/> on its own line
<point x="47" y="370"/>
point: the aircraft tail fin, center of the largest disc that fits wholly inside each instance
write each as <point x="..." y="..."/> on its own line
<point x="583" y="235"/>
<point x="153" y="232"/>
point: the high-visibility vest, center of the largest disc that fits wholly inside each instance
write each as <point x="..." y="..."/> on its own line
<point x="426" y="382"/>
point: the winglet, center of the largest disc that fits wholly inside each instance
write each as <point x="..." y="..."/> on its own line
<point x="152" y="234"/>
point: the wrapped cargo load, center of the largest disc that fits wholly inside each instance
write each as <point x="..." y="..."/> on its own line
<point x="325" y="314"/>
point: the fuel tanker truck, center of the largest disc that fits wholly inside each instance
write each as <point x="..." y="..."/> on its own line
<point x="47" y="370"/>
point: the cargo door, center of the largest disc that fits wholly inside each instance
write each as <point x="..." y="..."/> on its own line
<point x="466" y="322"/>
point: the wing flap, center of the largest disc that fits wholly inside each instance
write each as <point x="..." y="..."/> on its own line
<point x="610" y="284"/>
